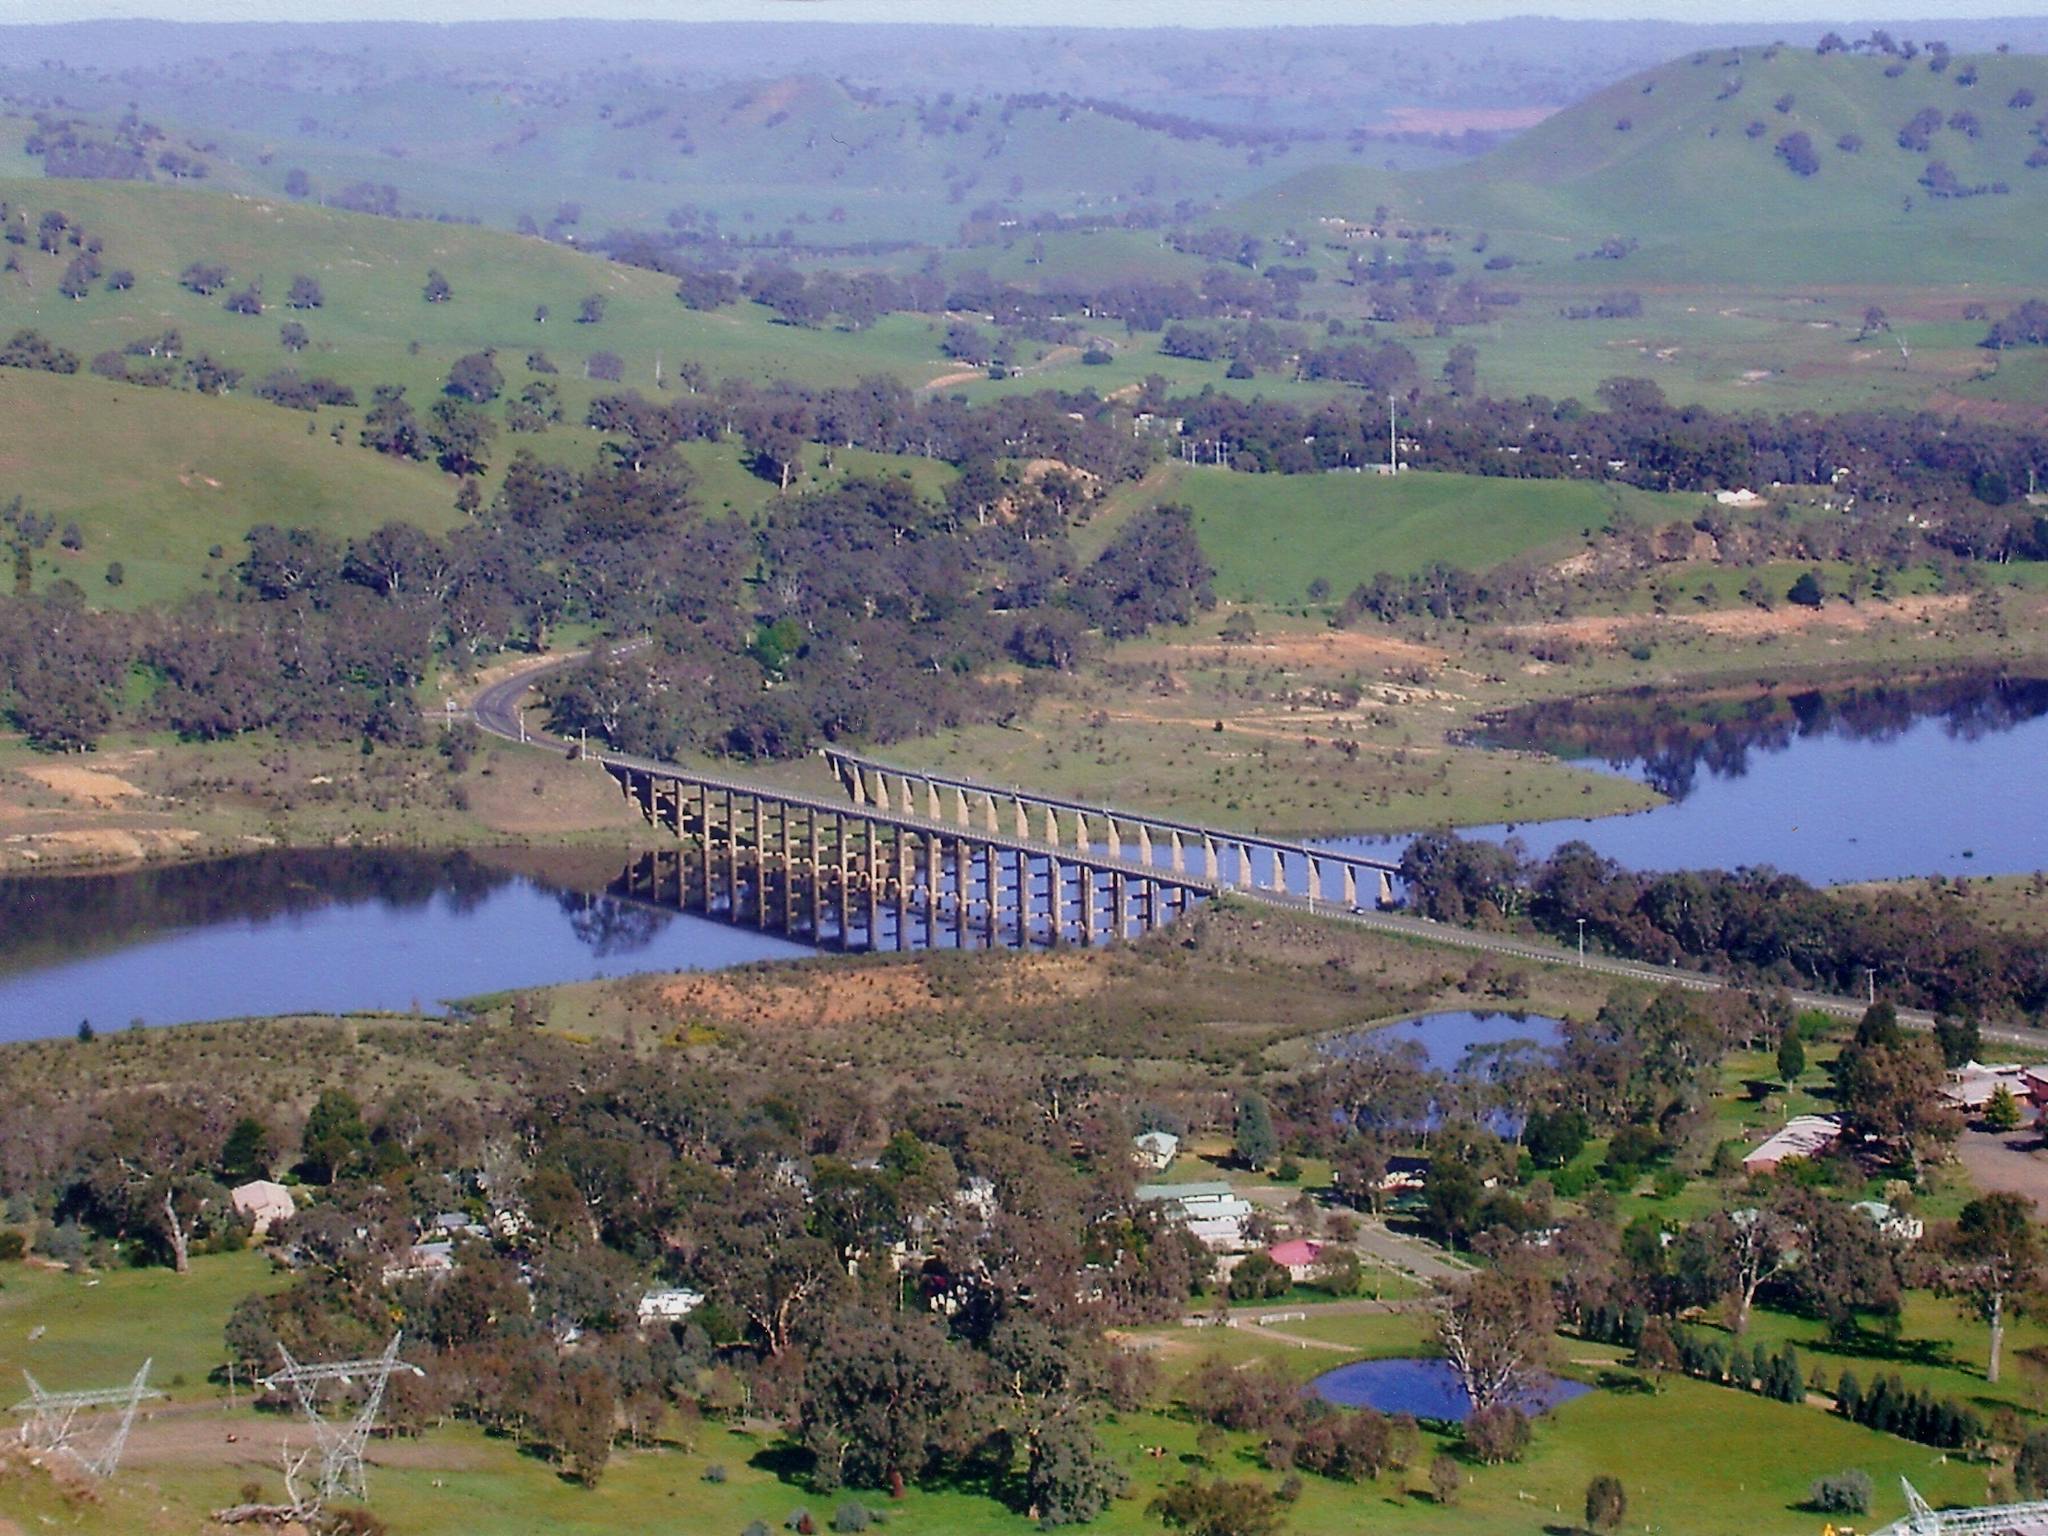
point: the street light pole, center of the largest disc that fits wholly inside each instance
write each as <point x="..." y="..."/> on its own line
<point x="1870" y="979"/>
<point x="1582" y="943"/>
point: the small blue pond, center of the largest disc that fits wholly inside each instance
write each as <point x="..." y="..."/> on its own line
<point x="1427" y="1389"/>
<point x="1448" y="1040"/>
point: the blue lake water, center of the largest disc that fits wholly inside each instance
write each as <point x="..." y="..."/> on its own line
<point x="1877" y="782"/>
<point x="1428" y="1389"/>
<point x="327" y="933"/>
<point x="1932" y="797"/>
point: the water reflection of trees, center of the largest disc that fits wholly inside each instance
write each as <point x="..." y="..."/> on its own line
<point x="610" y="927"/>
<point x="1672" y="738"/>
<point x="77" y="913"/>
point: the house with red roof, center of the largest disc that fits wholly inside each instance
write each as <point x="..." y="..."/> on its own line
<point x="1297" y="1256"/>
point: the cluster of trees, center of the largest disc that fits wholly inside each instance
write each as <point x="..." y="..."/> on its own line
<point x="74" y="149"/>
<point x="2025" y="326"/>
<point x="1896" y="459"/>
<point x="339" y="663"/>
<point x="1756" y="923"/>
<point x="1912" y="1413"/>
<point x="984" y="1347"/>
<point x="1299" y="1430"/>
<point x="874" y="614"/>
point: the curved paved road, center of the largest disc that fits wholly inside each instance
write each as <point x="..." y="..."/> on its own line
<point x="496" y="710"/>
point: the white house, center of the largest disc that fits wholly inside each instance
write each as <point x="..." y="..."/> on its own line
<point x="1214" y="1213"/>
<point x="1892" y="1222"/>
<point x="1156" y="1150"/>
<point x="264" y="1203"/>
<point x="668" y="1305"/>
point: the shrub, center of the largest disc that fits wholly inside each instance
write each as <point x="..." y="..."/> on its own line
<point x="715" y="1473"/>
<point x="1258" y="1278"/>
<point x="12" y="1246"/>
<point x="1799" y="155"/>
<point x="1840" y="1493"/>
<point x="1498" y="1433"/>
<point x="851" y="1516"/>
<point x="1446" y="1477"/>
<point x="1606" y="1503"/>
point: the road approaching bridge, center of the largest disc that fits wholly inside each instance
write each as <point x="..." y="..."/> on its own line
<point x="1048" y="895"/>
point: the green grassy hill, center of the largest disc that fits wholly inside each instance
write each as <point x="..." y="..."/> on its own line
<point x="1269" y="536"/>
<point x="803" y="152"/>
<point x="375" y="327"/>
<point x="156" y="478"/>
<point x="1685" y="161"/>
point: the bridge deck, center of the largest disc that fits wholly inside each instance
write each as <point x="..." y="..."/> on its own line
<point x="1291" y="847"/>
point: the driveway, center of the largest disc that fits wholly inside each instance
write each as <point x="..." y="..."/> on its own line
<point x="2007" y="1162"/>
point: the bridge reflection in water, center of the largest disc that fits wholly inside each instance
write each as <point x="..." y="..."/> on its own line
<point x="857" y="877"/>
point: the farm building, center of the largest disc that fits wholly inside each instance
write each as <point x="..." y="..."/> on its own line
<point x="1801" y="1136"/>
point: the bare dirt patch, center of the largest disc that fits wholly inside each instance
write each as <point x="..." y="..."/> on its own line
<point x="89" y="785"/>
<point x="823" y="998"/>
<point x="1747" y="623"/>
<point x="1338" y="649"/>
<point x="202" y="1435"/>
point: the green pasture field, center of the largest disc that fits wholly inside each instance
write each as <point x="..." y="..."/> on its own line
<point x="156" y="478"/>
<point x="1696" y="1460"/>
<point x="375" y="326"/>
<point x="82" y="1331"/>
<point x="1269" y="536"/>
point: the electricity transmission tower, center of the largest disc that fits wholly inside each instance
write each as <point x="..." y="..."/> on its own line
<point x="1991" y="1520"/>
<point x="52" y="1424"/>
<point x="341" y="1441"/>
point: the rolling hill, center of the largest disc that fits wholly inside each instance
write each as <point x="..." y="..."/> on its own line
<point x="375" y="326"/>
<point x="831" y="165"/>
<point x="155" y="479"/>
<point x="1694" y="162"/>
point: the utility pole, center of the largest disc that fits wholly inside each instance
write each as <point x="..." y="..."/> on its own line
<point x="1870" y="981"/>
<point x="1393" y="440"/>
<point x="1582" y="943"/>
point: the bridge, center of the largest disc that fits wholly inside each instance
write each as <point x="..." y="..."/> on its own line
<point x="861" y="877"/>
<point x="873" y="872"/>
<point x="1242" y="861"/>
